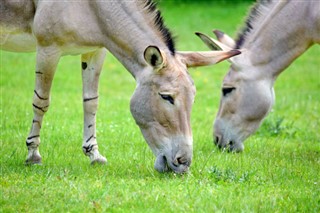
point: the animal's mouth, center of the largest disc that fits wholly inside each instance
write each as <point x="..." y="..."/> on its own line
<point x="228" y="145"/>
<point x="163" y="165"/>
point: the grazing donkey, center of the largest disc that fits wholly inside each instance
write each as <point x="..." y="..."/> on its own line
<point x="134" y="32"/>
<point x="276" y="33"/>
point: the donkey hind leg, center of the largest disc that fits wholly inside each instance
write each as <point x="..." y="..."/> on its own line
<point x="47" y="60"/>
<point x="91" y="69"/>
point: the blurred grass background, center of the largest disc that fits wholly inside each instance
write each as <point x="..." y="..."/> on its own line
<point x="278" y="171"/>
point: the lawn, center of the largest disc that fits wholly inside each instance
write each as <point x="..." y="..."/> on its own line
<point x="278" y="171"/>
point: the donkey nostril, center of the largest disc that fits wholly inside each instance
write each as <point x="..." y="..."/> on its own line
<point x="181" y="161"/>
<point x="231" y="143"/>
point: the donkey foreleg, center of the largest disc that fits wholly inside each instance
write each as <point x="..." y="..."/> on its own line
<point x="91" y="69"/>
<point x="47" y="60"/>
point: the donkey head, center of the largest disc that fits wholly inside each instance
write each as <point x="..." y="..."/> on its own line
<point x="161" y="104"/>
<point x="246" y="97"/>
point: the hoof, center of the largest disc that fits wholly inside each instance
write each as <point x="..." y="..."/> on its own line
<point x="34" y="160"/>
<point x="99" y="161"/>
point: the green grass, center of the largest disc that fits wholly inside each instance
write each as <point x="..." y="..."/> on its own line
<point x="278" y="171"/>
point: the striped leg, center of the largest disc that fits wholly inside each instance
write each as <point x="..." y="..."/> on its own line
<point x="91" y="69"/>
<point x="47" y="60"/>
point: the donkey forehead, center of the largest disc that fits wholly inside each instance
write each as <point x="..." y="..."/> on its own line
<point x="231" y="78"/>
<point x="176" y="68"/>
<point x="173" y="79"/>
<point x="235" y="76"/>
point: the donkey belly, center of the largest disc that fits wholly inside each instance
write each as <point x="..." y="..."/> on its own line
<point x="16" y="18"/>
<point x="17" y="41"/>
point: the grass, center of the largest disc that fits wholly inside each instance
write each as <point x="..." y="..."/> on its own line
<point x="278" y="171"/>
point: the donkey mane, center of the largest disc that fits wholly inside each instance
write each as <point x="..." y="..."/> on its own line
<point x="258" y="11"/>
<point x="158" y="22"/>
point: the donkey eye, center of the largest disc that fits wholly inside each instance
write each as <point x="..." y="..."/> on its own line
<point x="227" y="90"/>
<point x="167" y="98"/>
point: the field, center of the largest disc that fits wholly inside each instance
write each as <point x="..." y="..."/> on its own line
<point x="279" y="171"/>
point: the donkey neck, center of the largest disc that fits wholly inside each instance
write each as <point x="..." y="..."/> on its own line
<point x="279" y="42"/>
<point x="134" y="29"/>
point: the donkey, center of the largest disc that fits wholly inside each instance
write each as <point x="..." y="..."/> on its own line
<point x="275" y="34"/>
<point x="134" y="32"/>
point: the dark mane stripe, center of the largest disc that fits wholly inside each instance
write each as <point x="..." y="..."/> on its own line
<point x="158" y="21"/>
<point x="248" y="27"/>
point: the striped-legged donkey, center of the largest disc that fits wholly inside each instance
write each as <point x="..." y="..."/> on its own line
<point x="134" y="32"/>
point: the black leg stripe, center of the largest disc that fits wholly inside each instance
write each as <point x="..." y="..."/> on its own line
<point x="29" y="143"/>
<point x="40" y="108"/>
<point x="38" y="72"/>
<point x="89" y="99"/>
<point x="89" y="148"/>
<point x="90" y="125"/>
<point x="35" y="92"/>
<point x="31" y="137"/>
<point x="90" y="138"/>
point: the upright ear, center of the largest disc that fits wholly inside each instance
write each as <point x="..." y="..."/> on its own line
<point x="196" y="59"/>
<point x="153" y="57"/>
<point x="224" y="38"/>
<point x="212" y="43"/>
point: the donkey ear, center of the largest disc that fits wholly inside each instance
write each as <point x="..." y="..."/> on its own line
<point x="212" y="43"/>
<point x="224" y="38"/>
<point x="153" y="57"/>
<point x="196" y="59"/>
